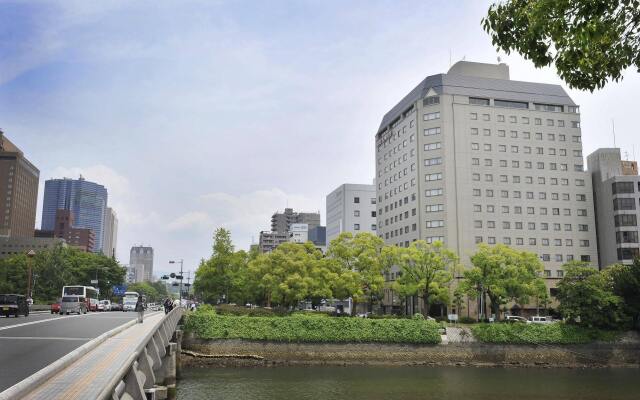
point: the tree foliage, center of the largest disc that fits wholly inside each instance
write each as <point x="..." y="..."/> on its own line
<point x="426" y="272"/>
<point x="590" y="42"/>
<point x="359" y="257"/>
<point x="586" y="297"/>
<point x="625" y="280"/>
<point x="57" y="267"/>
<point x="502" y="274"/>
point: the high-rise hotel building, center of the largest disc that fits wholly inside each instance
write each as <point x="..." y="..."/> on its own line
<point x="472" y="157"/>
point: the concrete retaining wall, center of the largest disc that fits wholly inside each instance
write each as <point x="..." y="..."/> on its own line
<point x="619" y="354"/>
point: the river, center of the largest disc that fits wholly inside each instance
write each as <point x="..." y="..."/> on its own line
<point x="408" y="383"/>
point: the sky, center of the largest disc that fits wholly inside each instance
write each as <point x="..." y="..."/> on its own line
<point x="204" y="114"/>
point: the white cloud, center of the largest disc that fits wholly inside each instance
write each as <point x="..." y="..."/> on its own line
<point x="190" y="221"/>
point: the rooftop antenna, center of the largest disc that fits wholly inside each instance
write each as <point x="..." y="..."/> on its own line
<point x="613" y="130"/>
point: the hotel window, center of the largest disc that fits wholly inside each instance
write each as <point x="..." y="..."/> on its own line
<point x="516" y="179"/>
<point x="491" y="224"/>
<point x="432" y="146"/>
<point x="489" y="193"/>
<point x="474" y="116"/>
<point x="431" y="116"/>
<point x="502" y="133"/>
<point x="525" y="120"/>
<point x="526" y="135"/>
<point x="500" y="118"/>
<point x="549" y="122"/>
<point x="575" y="124"/>
<point x="477" y="208"/>
<point x="474" y="131"/>
<point x="519" y="241"/>
<point x="356" y="227"/>
<point x="475" y="161"/>
<point x="513" y="119"/>
<point x="561" y="123"/>
<point x="432" y="161"/>
<point x="432" y="131"/>
<point x="514" y="134"/>
<point x="486" y="117"/>
<point x="491" y="240"/>
<point x="488" y="162"/>
<point x="486" y="132"/>
<point x="538" y="121"/>
<point x="487" y="147"/>
<point x="356" y="213"/>
<point x="477" y="224"/>
<point x="478" y="101"/>
<point x="478" y="239"/>
<point x="475" y="177"/>
<point x="503" y="163"/>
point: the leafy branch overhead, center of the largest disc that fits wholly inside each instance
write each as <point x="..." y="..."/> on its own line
<point x="590" y="42"/>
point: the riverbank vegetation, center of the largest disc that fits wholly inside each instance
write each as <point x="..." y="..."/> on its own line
<point x="554" y="333"/>
<point x="207" y="324"/>
<point x="361" y="267"/>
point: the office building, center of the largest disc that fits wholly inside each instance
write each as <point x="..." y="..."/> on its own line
<point x="351" y="208"/>
<point x="471" y="157"/>
<point x="19" y="191"/>
<point x="616" y="188"/>
<point x="270" y="240"/>
<point x="141" y="261"/>
<point x="299" y="233"/>
<point x="281" y="222"/>
<point x="80" y="238"/>
<point x="110" y="233"/>
<point x="86" y="200"/>
<point x="318" y="236"/>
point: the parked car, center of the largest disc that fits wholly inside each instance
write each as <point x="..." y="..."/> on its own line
<point x="516" y="318"/>
<point x="541" y="320"/>
<point x="55" y="307"/>
<point x="13" y="304"/>
<point x="73" y="304"/>
<point x="104" y="305"/>
<point x="116" y="307"/>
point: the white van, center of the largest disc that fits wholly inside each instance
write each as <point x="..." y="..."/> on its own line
<point x="541" y="320"/>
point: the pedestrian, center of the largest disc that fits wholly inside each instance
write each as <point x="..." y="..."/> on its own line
<point x="140" y="309"/>
<point x="168" y="305"/>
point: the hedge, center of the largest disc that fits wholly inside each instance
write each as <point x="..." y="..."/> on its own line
<point x="556" y="333"/>
<point x="304" y="328"/>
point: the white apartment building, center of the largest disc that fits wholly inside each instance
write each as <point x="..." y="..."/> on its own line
<point x="472" y="157"/>
<point x="616" y="186"/>
<point x="141" y="261"/>
<point x="351" y="208"/>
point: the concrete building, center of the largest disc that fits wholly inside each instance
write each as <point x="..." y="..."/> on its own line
<point x="19" y="191"/>
<point x="110" y="233"/>
<point x="318" y="236"/>
<point x="281" y="222"/>
<point x="86" y="200"/>
<point x="472" y="157"/>
<point x="299" y="233"/>
<point x="351" y="208"/>
<point x="141" y="261"/>
<point x="10" y="246"/>
<point x="81" y="238"/>
<point x="616" y="188"/>
<point x="270" y="240"/>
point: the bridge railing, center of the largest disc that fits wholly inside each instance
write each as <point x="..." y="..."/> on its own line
<point x="149" y="366"/>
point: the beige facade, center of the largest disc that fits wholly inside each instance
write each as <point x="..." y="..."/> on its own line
<point x="19" y="191"/>
<point x="472" y="157"/>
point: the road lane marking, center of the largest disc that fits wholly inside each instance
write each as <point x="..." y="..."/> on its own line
<point x="38" y="322"/>
<point x="42" y="338"/>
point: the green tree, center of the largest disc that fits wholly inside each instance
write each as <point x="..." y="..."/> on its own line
<point x="360" y="254"/>
<point x="213" y="279"/>
<point x="426" y="272"/>
<point x="586" y="296"/>
<point x="625" y="281"/>
<point x="502" y="274"/>
<point x="288" y="275"/>
<point x="146" y="289"/>
<point x="589" y="42"/>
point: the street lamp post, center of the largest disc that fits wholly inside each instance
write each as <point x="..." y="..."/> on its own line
<point x="30" y="256"/>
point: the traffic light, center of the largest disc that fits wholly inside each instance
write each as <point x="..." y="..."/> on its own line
<point x="165" y="277"/>
<point x="172" y="275"/>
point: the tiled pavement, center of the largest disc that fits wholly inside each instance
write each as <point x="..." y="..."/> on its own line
<point x="86" y="378"/>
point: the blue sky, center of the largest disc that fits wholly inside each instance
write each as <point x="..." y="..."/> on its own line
<point x="200" y="114"/>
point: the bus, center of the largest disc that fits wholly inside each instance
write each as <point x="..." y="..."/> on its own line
<point x="129" y="301"/>
<point x="89" y="293"/>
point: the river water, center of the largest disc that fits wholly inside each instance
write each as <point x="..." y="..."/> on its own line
<point x="408" y="383"/>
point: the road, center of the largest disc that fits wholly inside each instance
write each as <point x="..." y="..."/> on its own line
<point x="29" y="344"/>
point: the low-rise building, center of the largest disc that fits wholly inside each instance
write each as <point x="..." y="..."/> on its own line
<point x="11" y="246"/>
<point x="80" y="238"/>
<point x="270" y="240"/>
<point x="299" y="233"/>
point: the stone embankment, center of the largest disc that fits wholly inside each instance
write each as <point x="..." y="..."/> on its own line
<point x="459" y="350"/>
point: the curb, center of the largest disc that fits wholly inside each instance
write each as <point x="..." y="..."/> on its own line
<point x="32" y="382"/>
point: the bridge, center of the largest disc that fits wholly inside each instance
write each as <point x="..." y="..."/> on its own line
<point x="93" y="356"/>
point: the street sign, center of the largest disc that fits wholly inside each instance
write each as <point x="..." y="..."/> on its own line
<point x="119" y="290"/>
<point x="94" y="281"/>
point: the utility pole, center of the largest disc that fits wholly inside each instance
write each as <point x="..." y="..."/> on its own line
<point x="179" y="277"/>
<point x="30" y="256"/>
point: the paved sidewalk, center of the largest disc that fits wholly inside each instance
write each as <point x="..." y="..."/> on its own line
<point x="85" y="378"/>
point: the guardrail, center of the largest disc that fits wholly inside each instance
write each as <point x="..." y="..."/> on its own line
<point x="152" y="364"/>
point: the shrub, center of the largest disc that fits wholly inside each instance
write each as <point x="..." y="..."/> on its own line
<point x="467" y="320"/>
<point x="227" y="309"/>
<point x="556" y="333"/>
<point x="304" y="328"/>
